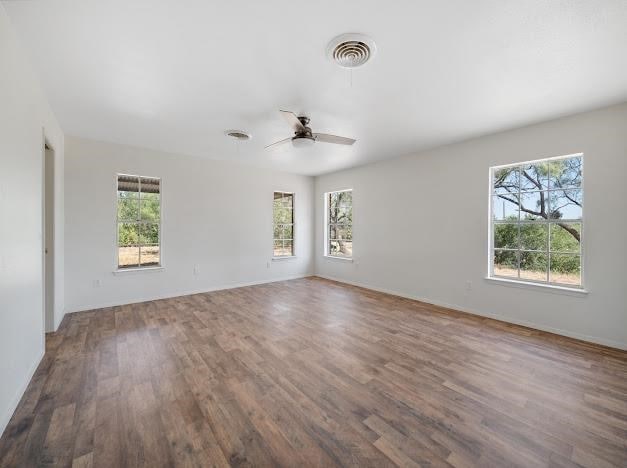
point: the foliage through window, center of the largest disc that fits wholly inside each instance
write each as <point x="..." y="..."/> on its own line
<point x="537" y="220"/>
<point x="340" y="224"/>
<point x="139" y="221"/>
<point x="283" y="216"/>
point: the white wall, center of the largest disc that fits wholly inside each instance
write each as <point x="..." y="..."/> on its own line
<point x="25" y="118"/>
<point x="438" y="202"/>
<point x="215" y="214"/>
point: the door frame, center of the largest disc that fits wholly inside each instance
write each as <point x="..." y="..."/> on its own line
<point x="48" y="153"/>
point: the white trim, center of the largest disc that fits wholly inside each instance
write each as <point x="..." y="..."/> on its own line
<point x="547" y="287"/>
<point x="533" y="161"/>
<point x="326" y="196"/>
<point x="284" y="257"/>
<point x="548" y="222"/>
<point x="157" y="297"/>
<point x="153" y="269"/>
<point x="116" y="264"/>
<point x="5" y="418"/>
<point x="293" y="223"/>
<point x="333" y="257"/>
<point x="558" y="331"/>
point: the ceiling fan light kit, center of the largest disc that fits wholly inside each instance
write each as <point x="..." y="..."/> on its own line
<point x="303" y="142"/>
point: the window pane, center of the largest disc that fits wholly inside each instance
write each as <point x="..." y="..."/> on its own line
<point x="150" y="255"/>
<point x="340" y="248"/>
<point x="565" y="173"/>
<point x="149" y="187"/>
<point x="277" y="231"/>
<point x="288" y="247"/>
<point x="533" y="266"/>
<point x="534" y="236"/>
<point x="566" y="204"/>
<point x="288" y="232"/>
<point x="150" y="208"/>
<point x="288" y="200"/>
<point x="565" y="237"/>
<point x="506" y="180"/>
<point x="533" y="205"/>
<point x="282" y="215"/>
<point x="128" y="207"/>
<point x="506" y="263"/>
<point x="128" y="257"/>
<point x="149" y="234"/>
<point x="128" y="234"/>
<point x="534" y="176"/>
<point x="506" y="236"/>
<point x="333" y="196"/>
<point x="566" y="269"/>
<point x="128" y="185"/>
<point x="505" y="207"/>
<point x="344" y="199"/>
<point x="342" y="232"/>
<point x="278" y="248"/>
<point x="344" y="215"/>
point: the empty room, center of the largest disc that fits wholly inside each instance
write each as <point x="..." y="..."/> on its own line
<point x="338" y="233"/>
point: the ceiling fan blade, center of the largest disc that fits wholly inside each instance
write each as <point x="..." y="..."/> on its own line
<point x="292" y="121"/>
<point x="338" y="140"/>
<point x="279" y="143"/>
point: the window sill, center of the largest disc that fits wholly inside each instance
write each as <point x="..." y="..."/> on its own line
<point x="537" y="286"/>
<point x="138" y="270"/>
<point x="341" y="259"/>
<point x="286" y="257"/>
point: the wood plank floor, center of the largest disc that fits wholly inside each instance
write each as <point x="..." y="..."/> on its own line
<point x="314" y="373"/>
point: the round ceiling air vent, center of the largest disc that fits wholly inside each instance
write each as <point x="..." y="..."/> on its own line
<point x="351" y="50"/>
<point x="239" y="135"/>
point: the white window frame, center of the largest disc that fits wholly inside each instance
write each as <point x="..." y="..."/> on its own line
<point x="327" y="250"/>
<point x="117" y="268"/>
<point x="293" y="224"/>
<point x="492" y="222"/>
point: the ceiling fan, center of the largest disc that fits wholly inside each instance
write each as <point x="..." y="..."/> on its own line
<point x="303" y="135"/>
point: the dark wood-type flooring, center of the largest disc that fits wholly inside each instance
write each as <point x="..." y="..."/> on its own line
<point x="315" y="373"/>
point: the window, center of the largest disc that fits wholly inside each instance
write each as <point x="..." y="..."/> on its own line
<point x="283" y="216"/>
<point x="537" y="221"/>
<point x="139" y="221"/>
<point x="339" y="223"/>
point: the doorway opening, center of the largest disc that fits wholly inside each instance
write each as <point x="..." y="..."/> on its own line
<point x="48" y="237"/>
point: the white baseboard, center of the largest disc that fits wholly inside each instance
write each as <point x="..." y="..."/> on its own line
<point x="6" y="417"/>
<point x="104" y="305"/>
<point x="502" y="318"/>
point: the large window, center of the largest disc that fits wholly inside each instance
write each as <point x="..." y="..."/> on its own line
<point x="537" y="221"/>
<point x="139" y="221"/>
<point x="339" y="224"/>
<point x="283" y="216"/>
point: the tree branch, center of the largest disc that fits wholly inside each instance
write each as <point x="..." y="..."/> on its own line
<point x="572" y="231"/>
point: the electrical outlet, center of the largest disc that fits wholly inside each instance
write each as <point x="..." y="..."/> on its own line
<point x="196" y="269"/>
<point x="468" y="285"/>
<point x="96" y="283"/>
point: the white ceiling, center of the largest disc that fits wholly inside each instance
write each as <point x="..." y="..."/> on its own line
<point x="174" y="75"/>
